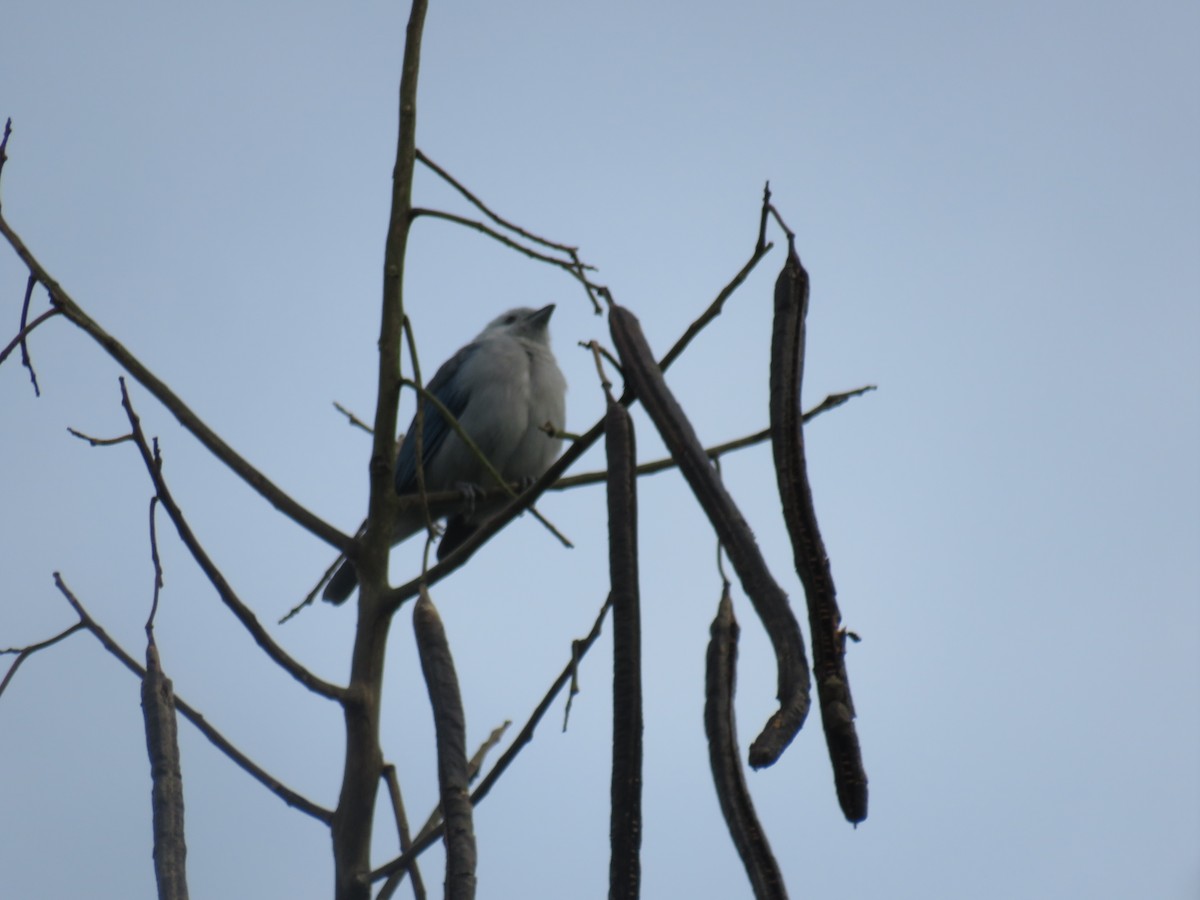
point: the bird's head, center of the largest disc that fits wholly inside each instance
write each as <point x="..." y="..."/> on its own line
<point x="522" y="322"/>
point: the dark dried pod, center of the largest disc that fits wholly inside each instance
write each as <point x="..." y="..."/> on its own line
<point x="725" y="759"/>
<point x="644" y="376"/>
<point x="451" y="730"/>
<point x="625" y="829"/>
<point x="812" y="563"/>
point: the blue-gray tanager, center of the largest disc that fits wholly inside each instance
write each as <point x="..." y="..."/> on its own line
<point x="504" y="388"/>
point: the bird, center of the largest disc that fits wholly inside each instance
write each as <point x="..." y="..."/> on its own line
<point x="505" y="389"/>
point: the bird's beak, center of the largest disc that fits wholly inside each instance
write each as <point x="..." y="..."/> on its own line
<point x="542" y="316"/>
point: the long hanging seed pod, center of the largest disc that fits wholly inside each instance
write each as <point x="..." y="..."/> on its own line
<point x="625" y="829"/>
<point x="770" y="602"/>
<point x="812" y="564"/>
<point x="450" y="727"/>
<point x="719" y="725"/>
<point x="162" y="742"/>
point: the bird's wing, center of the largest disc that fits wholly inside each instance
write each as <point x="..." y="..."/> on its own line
<point x="454" y="395"/>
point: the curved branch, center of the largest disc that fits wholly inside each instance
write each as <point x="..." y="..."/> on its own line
<point x="267" y="489"/>
<point x="153" y="463"/>
<point x="286" y="794"/>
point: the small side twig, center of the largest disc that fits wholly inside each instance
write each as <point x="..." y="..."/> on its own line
<point x="26" y="330"/>
<point x="26" y="360"/>
<point x="23" y="653"/>
<point x="157" y="563"/>
<point x="153" y="463"/>
<point x="352" y="419"/>
<point x="414" y="871"/>
<point x="425" y="840"/>
<point x="4" y="143"/>
<point x="483" y="208"/>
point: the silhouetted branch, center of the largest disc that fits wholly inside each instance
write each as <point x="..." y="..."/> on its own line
<point x="23" y="653"/>
<point x="26" y="361"/>
<point x="414" y="871"/>
<point x="267" y="489"/>
<point x="425" y="840"/>
<point x="26" y="330"/>
<point x="153" y="463"/>
<point x="290" y="797"/>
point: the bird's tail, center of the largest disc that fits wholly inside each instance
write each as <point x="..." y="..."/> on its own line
<point x="342" y="584"/>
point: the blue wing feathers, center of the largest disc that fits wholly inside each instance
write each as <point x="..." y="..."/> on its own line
<point x="451" y="392"/>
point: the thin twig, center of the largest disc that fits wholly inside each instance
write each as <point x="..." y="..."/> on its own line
<point x="483" y="208"/>
<point x="715" y="452"/>
<point x="4" y="143"/>
<point x="25" y="331"/>
<point x="424" y="840"/>
<point x="23" y="653"/>
<point x="414" y="871"/>
<point x="573" y="268"/>
<point x="577" y="266"/>
<point x="153" y="464"/>
<point x="418" y="435"/>
<point x="26" y="361"/>
<point x="158" y="572"/>
<point x="290" y="797"/>
<point x="193" y="423"/>
<point x="99" y="442"/>
<point x="354" y="420"/>
<point x="714" y="308"/>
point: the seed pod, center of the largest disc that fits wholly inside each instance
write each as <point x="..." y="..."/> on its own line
<point x="450" y="727"/>
<point x="812" y="563"/>
<point x="625" y="829"/>
<point x="721" y="729"/>
<point x="162" y="743"/>
<point x="770" y="602"/>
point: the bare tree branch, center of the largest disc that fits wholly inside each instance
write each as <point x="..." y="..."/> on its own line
<point x="286" y="794"/>
<point x="187" y="418"/>
<point x="414" y="871"/>
<point x="427" y="839"/>
<point x="26" y="330"/>
<point x="153" y="463"/>
<point x="355" y="814"/>
<point x="23" y="653"/>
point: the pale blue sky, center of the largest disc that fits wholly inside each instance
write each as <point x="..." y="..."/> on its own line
<point x="999" y="206"/>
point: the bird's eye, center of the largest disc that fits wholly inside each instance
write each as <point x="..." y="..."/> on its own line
<point x="508" y="320"/>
